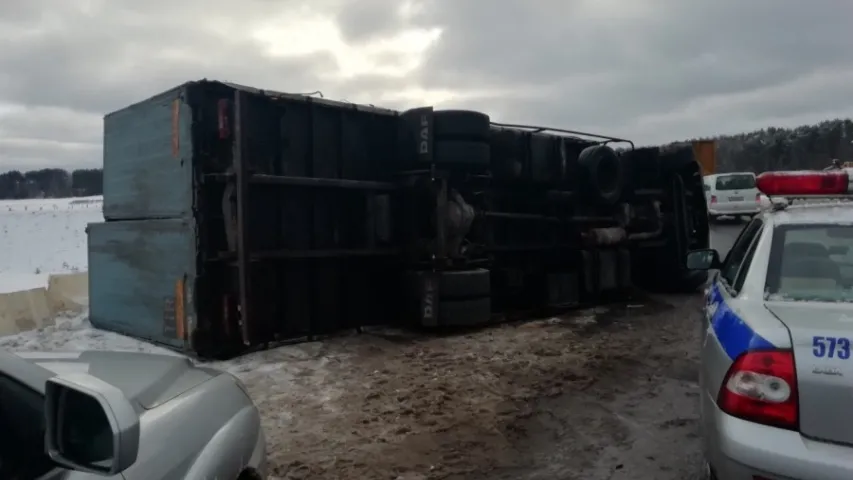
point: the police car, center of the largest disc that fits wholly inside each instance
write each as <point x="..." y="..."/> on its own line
<point x="776" y="372"/>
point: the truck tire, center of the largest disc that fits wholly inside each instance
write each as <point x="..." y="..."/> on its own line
<point x="461" y="124"/>
<point x="465" y="313"/>
<point x="604" y="177"/>
<point x="462" y="152"/>
<point x="465" y="284"/>
<point x="457" y="284"/>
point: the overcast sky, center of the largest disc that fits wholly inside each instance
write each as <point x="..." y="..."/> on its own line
<point x="651" y="70"/>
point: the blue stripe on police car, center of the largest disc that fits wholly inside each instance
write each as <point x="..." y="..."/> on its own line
<point x="733" y="333"/>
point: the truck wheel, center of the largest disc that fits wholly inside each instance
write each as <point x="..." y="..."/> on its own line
<point x="461" y="124"/>
<point x="465" y="313"/>
<point x="604" y="174"/>
<point x="465" y="283"/>
<point x="457" y="284"/>
<point x="459" y="152"/>
<point x="461" y="299"/>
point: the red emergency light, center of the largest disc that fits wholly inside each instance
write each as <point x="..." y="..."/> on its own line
<point x="803" y="184"/>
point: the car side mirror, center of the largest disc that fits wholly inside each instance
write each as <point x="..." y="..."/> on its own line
<point x="707" y="259"/>
<point x="91" y="426"/>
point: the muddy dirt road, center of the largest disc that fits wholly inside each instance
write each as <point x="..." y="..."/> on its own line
<point x="601" y="394"/>
<point x="606" y="394"/>
<point x="638" y="420"/>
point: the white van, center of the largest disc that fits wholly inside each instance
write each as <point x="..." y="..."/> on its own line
<point x="732" y="194"/>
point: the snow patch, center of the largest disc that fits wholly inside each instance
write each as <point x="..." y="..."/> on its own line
<point x="75" y="334"/>
<point x="43" y="236"/>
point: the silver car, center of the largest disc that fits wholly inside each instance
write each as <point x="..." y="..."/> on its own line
<point x="113" y="415"/>
<point x="776" y="371"/>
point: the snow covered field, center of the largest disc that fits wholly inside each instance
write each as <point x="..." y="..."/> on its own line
<point x="44" y="236"/>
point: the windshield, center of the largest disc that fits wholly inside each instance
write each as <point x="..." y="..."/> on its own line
<point x="811" y="263"/>
<point x="740" y="181"/>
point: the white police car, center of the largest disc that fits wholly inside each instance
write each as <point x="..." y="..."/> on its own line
<point x="776" y="371"/>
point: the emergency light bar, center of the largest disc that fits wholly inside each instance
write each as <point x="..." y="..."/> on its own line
<point x="804" y="183"/>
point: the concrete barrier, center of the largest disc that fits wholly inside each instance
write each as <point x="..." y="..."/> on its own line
<point x="68" y="291"/>
<point x="37" y="307"/>
<point x="25" y="310"/>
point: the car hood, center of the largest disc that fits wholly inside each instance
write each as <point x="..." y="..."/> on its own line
<point x="147" y="379"/>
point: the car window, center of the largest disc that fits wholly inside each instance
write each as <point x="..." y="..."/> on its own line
<point x="740" y="278"/>
<point x="811" y="263"/>
<point x="22" y="422"/>
<point x="741" y="181"/>
<point x="738" y="252"/>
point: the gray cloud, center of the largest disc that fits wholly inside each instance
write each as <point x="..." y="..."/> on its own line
<point x="368" y="19"/>
<point x="654" y="70"/>
<point x="587" y="67"/>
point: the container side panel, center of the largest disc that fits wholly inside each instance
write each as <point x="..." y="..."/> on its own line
<point x="147" y="159"/>
<point x="141" y="279"/>
<point x="706" y="155"/>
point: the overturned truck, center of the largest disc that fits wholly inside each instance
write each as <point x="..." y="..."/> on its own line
<point x="236" y="217"/>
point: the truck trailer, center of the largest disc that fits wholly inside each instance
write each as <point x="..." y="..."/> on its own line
<point x="237" y="217"/>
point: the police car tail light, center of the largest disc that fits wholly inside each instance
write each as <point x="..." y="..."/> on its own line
<point x="787" y="184"/>
<point x="713" y="199"/>
<point x="761" y="387"/>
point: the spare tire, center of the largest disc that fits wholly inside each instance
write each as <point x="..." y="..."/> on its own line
<point x="461" y="124"/>
<point x="604" y="175"/>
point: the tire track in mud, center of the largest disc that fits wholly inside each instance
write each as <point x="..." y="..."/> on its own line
<point x="637" y="421"/>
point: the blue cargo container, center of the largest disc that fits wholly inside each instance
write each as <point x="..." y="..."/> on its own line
<point x="141" y="277"/>
<point x="148" y="156"/>
<point x="236" y="216"/>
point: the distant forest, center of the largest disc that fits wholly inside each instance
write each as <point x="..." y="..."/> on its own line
<point x="804" y="147"/>
<point x="51" y="183"/>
